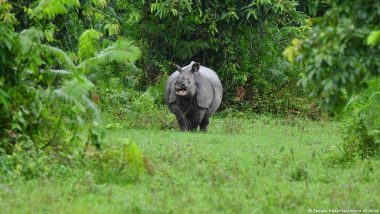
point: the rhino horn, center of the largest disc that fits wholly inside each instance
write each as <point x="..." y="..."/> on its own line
<point x="178" y="68"/>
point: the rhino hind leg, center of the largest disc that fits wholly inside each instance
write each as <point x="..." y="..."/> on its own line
<point x="204" y="124"/>
<point x="197" y="119"/>
<point x="193" y="126"/>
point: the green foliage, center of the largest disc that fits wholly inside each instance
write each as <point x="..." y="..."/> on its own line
<point x="134" y="158"/>
<point x="362" y="134"/>
<point x="49" y="9"/>
<point x="46" y="107"/>
<point x="75" y="92"/>
<point x="373" y="38"/>
<point x="298" y="173"/>
<point x="241" y="40"/>
<point x="119" y="51"/>
<point x="339" y="54"/>
<point x="337" y="60"/>
<point x="60" y="56"/>
<point x="133" y="109"/>
<point x="117" y="163"/>
<point x="313" y="8"/>
<point x="146" y="112"/>
<point x="88" y="44"/>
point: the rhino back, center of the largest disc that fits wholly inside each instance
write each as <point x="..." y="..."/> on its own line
<point x="213" y="78"/>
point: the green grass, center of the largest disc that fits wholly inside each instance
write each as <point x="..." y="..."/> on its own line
<point x="239" y="166"/>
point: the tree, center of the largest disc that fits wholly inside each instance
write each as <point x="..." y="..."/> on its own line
<point x="241" y="40"/>
<point x="44" y="93"/>
<point x="340" y="58"/>
<point x="340" y="51"/>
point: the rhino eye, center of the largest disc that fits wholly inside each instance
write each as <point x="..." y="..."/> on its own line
<point x="188" y="81"/>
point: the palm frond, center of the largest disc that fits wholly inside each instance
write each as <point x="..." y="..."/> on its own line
<point x="64" y="97"/>
<point x="28" y="37"/>
<point x="119" y="51"/>
<point x="152" y="29"/>
<point x="276" y="72"/>
<point x="62" y="58"/>
<point x="91" y="106"/>
<point x="88" y="44"/>
<point x="51" y="8"/>
<point x="134" y="51"/>
<point x="60" y="71"/>
<point x="185" y="50"/>
<point x="75" y="91"/>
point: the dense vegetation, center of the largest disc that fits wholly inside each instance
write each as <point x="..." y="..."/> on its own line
<point x="339" y="56"/>
<point x="76" y="73"/>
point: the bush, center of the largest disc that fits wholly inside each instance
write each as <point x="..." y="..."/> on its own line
<point x="133" y="108"/>
<point x="45" y="108"/>
<point x="121" y="163"/>
<point x="114" y="163"/>
<point x="339" y="58"/>
<point x="362" y="136"/>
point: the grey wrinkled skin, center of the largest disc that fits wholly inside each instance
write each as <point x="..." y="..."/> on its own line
<point x="193" y="93"/>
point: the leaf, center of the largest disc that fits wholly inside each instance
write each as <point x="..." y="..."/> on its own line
<point x="88" y="44"/>
<point x="60" y="56"/>
<point x="49" y="9"/>
<point x="134" y="158"/>
<point x="291" y="52"/>
<point x="58" y="71"/>
<point x="252" y="12"/>
<point x="29" y="37"/>
<point x="119" y="51"/>
<point x="100" y="3"/>
<point x="76" y="91"/>
<point x="4" y="98"/>
<point x="113" y="29"/>
<point x="373" y="38"/>
<point x="134" y="17"/>
<point x="186" y="49"/>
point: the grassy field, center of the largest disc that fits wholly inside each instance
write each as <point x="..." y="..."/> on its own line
<point x="240" y="166"/>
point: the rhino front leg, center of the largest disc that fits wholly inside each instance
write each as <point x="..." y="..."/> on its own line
<point x="204" y="124"/>
<point x="181" y="119"/>
<point x="197" y="118"/>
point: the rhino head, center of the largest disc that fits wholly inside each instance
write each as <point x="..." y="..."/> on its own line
<point x="185" y="84"/>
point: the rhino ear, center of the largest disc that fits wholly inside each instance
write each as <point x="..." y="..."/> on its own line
<point x="172" y="94"/>
<point x="205" y="92"/>
<point x="195" y="67"/>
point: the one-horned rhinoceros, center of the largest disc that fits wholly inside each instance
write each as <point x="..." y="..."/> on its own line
<point x="193" y="93"/>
